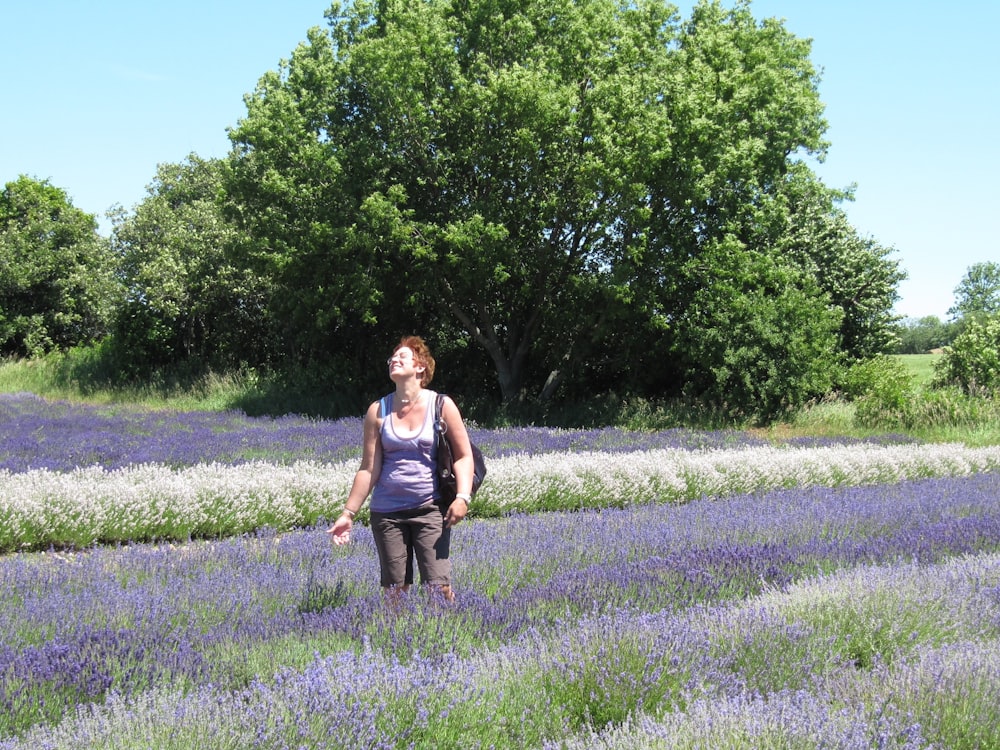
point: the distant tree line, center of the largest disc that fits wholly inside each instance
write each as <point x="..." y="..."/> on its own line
<point x="568" y="198"/>
<point x="925" y="335"/>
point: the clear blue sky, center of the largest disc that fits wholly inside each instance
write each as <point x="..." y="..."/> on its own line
<point x="98" y="93"/>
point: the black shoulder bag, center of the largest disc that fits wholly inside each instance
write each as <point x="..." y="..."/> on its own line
<point x="447" y="483"/>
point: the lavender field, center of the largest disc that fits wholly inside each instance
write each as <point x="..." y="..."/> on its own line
<point x="167" y="583"/>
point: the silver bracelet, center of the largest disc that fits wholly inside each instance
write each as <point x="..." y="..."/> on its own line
<point x="350" y="513"/>
<point x="463" y="496"/>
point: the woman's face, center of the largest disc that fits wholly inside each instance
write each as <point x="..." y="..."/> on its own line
<point x="402" y="363"/>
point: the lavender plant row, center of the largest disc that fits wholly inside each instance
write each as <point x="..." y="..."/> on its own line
<point x="938" y="697"/>
<point x="93" y="505"/>
<point x="892" y="656"/>
<point x="619" y="624"/>
<point x="62" y="436"/>
<point x="897" y="656"/>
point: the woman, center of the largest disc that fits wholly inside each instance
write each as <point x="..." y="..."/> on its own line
<point x="398" y="470"/>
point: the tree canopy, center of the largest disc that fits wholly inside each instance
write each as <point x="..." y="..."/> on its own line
<point x="920" y="336"/>
<point x="57" y="283"/>
<point x="534" y="177"/>
<point x="978" y="293"/>
<point x="183" y="297"/>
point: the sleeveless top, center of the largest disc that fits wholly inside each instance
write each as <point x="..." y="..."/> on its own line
<point x="407" y="479"/>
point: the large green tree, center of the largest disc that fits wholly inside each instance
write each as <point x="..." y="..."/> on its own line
<point x="747" y="327"/>
<point x="542" y="176"/>
<point x="756" y="338"/>
<point x="57" y="283"/>
<point x="467" y="160"/>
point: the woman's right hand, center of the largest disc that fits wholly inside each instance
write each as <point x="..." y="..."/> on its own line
<point x="340" y="532"/>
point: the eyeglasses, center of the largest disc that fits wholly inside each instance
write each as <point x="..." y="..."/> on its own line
<point x="400" y="356"/>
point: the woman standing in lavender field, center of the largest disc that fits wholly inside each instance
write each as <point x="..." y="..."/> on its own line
<point x="398" y="471"/>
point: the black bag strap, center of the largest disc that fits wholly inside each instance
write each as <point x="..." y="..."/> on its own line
<point x="439" y="424"/>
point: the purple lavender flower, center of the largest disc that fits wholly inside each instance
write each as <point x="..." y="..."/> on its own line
<point x="57" y="435"/>
<point x="605" y="615"/>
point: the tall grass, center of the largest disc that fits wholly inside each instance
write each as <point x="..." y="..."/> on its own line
<point x="59" y="376"/>
<point x="76" y="375"/>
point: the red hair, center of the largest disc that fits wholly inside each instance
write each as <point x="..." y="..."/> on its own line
<point x="421" y="354"/>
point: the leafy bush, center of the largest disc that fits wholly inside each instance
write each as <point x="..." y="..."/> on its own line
<point x="887" y="397"/>
<point x="884" y="378"/>
<point x="943" y="413"/>
<point x="972" y="362"/>
<point x="883" y="390"/>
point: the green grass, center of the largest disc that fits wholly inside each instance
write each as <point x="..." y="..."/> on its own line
<point x="920" y="367"/>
